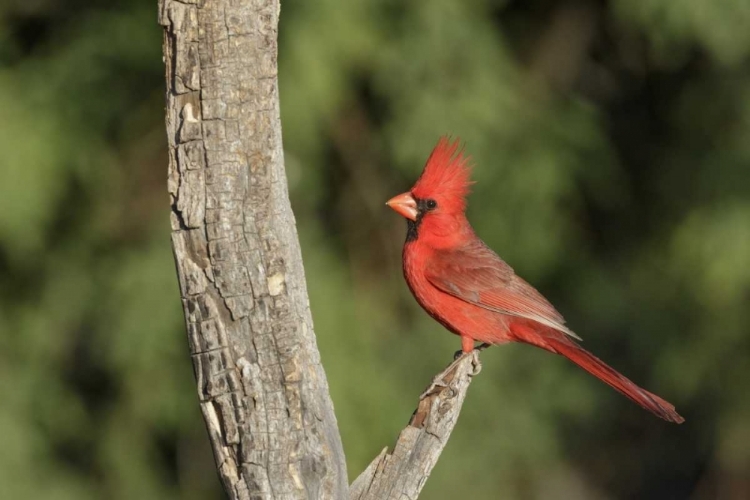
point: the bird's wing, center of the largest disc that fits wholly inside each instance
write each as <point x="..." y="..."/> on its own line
<point x="475" y="274"/>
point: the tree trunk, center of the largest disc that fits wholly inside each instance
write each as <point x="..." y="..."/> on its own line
<point x="262" y="389"/>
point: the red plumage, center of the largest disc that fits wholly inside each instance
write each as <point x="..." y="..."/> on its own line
<point x="471" y="291"/>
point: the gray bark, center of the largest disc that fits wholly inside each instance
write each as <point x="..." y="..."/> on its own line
<point x="262" y="389"/>
<point x="401" y="474"/>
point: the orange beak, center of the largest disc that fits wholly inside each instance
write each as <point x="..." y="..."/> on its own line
<point x="405" y="205"/>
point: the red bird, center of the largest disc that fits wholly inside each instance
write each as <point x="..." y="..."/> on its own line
<point x="471" y="291"/>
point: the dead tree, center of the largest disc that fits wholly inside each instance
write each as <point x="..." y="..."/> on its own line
<point x="262" y="389"/>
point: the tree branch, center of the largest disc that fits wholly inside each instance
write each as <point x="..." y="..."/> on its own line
<point x="400" y="475"/>
<point x="262" y="389"/>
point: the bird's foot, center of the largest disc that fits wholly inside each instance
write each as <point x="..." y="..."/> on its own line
<point x="439" y="383"/>
<point x="480" y="347"/>
<point x="475" y="361"/>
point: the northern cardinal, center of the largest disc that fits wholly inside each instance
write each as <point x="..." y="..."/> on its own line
<point x="471" y="291"/>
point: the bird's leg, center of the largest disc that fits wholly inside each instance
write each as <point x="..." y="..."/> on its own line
<point x="439" y="382"/>
<point x="467" y="344"/>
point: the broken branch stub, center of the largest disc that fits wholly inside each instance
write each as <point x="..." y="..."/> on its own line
<point x="402" y="474"/>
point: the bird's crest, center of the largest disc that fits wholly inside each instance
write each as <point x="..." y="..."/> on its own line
<point x="446" y="174"/>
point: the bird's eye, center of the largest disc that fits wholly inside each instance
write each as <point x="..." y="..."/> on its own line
<point x="431" y="204"/>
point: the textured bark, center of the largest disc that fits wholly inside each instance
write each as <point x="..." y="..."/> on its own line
<point x="262" y="389"/>
<point x="400" y="475"/>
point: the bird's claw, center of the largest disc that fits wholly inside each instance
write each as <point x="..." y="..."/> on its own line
<point x="438" y="383"/>
<point x="476" y="362"/>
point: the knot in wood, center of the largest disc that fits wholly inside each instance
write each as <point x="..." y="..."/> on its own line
<point x="445" y="407"/>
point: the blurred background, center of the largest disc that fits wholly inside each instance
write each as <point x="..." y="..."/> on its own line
<point x="612" y="149"/>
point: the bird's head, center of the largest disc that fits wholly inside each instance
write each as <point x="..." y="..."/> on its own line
<point x="435" y="206"/>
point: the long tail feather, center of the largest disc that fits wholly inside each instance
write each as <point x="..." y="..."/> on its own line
<point x="560" y="344"/>
<point x="610" y="376"/>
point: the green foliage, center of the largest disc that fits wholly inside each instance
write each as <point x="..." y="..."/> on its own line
<point x="622" y="193"/>
<point x="718" y="27"/>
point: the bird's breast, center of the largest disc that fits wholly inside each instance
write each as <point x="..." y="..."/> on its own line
<point x="458" y="316"/>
